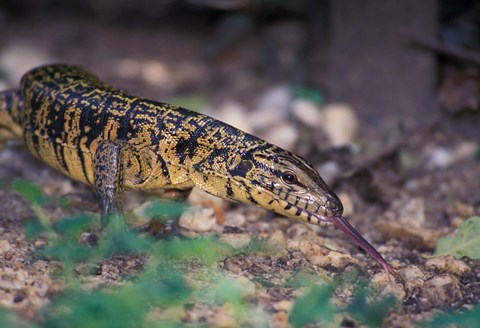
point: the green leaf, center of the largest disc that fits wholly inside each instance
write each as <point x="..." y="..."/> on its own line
<point x="73" y="226"/>
<point x="33" y="228"/>
<point x="314" y="95"/>
<point x="96" y="309"/>
<point x="207" y="250"/>
<point x="29" y="190"/>
<point x="127" y="305"/>
<point x="315" y="306"/>
<point x="371" y="314"/>
<point x="124" y="242"/>
<point x="464" y="319"/>
<point x="228" y="291"/>
<point x="465" y="243"/>
<point x="158" y="209"/>
<point x="69" y="252"/>
<point x="195" y="102"/>
<point x="64" y="201"/>
<point x="10" y="319"/>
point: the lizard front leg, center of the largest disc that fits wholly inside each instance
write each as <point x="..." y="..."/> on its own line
<point x="108" y="183"/>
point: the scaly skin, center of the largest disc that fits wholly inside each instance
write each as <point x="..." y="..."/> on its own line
<point x="104" y="137"/>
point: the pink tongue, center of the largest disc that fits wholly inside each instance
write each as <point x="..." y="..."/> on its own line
<point x="356" y="237"/>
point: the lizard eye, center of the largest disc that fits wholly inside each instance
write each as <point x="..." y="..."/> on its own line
<point x="289" y="177"/>
<point x="242" y="168"/>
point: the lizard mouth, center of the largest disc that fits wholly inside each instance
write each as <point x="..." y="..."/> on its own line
<point x="352" y="233"/>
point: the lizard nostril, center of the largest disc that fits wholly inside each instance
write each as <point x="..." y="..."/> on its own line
<point x="335" y="205"/>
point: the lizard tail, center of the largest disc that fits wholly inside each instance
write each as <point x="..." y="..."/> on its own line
<point x="11" y="108"/>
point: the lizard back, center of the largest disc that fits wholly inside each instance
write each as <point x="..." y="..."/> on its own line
<point x="68" y="111"/>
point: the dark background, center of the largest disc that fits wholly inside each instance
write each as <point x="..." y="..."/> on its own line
<point x="364" y="53"/>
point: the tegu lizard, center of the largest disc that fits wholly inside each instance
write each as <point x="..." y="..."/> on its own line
<point x="104" y="137"/>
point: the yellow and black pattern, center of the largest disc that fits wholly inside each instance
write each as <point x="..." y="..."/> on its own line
<point x="113" y="141"/>
<point x="11" y="105"/>
<point x="67" y="114"/>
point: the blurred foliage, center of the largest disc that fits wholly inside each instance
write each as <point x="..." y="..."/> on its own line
<point x="9" y="319"/>
<point x="30" y="191"/>
<point x="465" y="242"/>
<point x="315" y="306"/>
<point x="196" y="102"/>
<point x="173" y="276"/>
<point x="311" y="94"/>
<point x="464" y="319"/>
<point x="371" y="314"/>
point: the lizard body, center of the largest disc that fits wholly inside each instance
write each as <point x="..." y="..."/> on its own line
<point x="103" y="137"/>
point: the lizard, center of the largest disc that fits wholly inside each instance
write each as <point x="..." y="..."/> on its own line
<point x="102" y="136"/>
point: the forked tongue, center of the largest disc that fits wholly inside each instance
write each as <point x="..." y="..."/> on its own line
<point x="356" y="237"/>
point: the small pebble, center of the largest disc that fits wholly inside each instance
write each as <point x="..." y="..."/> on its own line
<point x="299" y="231"/>
<point x="198" y="219"/>
<point x="414" y="276"/>
<point x="340" y="124"/>
<point x="248" y="286"/>
<point x="412" y="212"/>
<point x="441" y="291"/>
<point x="329" y="171"/>
<point x="223" y="317"/>
<point x="464" y="210"/>
<point x="5" y="246"/>
<point x="41" y="266"/>
<point x="307" y="112"/>
<point x="348" y="207"/>
<point x="234" y="219"/>
<point x="271" y="109"/>
<point x="284" y="305"/>
<point x="440" y="157"/>
<point x="157" y="73"/>
<point x="323" y="257"/>
<point x="200" y="197"/>
<point x="420" y="237"/>
<point x="277" y="238"/>
<point x="448" y="264"/>
<point x="382" y="281"/>
<point x="17" y="58"/>
<point x="127" y="68"/>
<point x="235" y="114"/>
<point x="466" y="149"/>
<point x="236" y="240"/>
<point x="283" y="135"/>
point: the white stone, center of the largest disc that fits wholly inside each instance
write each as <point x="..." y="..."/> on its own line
<point x="348" y="206"/>
<point x="272" y="108"/>
<point x="283" y="135"/>
<point x="234" y="114"/>
<point x="5" y="246"/>
<point x="440" y="157"/>
<point x="323" y="257"/>
<point x="236" y="240"/>
<point x="307" y="112"/>
<point x="198" y="219"/>
<point x="328" y="171"/>
<point x="466" y="149"/>
<point x="200" y="197"/>
<point x="19" y="57"/>
<point x="234" y="219"/>
<point x="441" y="290"/>
<point x="448" y="264"/>
<point x="340" y="124"/>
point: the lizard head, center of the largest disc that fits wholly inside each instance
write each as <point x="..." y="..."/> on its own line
<point x="274" y="179"/>
<point x="286" y="184"/>
<point x="278" y="180"/>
